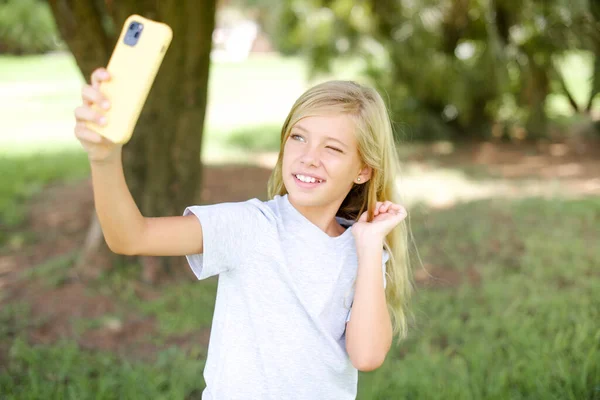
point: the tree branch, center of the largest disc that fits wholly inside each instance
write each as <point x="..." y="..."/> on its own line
<point x="565" y="89"/>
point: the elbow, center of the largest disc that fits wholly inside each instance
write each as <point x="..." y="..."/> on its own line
<point x="367" y="363"/>
<point x="120" y="248"/>
<point x="367" y="358"/>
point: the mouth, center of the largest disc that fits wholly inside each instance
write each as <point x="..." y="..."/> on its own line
<point x="307" y="182"/>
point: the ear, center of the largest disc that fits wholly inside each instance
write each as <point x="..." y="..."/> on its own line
<point x="364" y="174"/>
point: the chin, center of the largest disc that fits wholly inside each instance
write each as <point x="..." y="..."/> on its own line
<point x="307" y="199"/>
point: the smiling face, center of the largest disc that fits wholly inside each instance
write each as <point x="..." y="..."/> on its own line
<point x="321" y="160"/>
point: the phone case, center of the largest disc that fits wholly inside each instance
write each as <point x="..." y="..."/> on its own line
<point x="132" y="69"/>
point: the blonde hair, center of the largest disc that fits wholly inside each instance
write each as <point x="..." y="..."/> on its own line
<point x="376" y="147"/>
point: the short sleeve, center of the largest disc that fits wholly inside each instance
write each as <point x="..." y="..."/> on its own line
<point x="226" y="229"/>
<point x="384" y="258"/>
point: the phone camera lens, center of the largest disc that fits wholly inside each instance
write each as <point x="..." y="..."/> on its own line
<point x="133" y="34"/>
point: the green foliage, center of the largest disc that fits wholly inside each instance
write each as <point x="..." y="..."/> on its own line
<point x="27" y="26"/>
<point x="449" y="69"/>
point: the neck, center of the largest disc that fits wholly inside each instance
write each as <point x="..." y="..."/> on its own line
<point x="322" y="216"/>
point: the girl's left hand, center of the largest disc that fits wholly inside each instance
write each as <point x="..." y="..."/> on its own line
<point x="386" y="217"/>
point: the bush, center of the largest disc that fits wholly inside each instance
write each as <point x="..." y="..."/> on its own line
<point x="27" y="26"/>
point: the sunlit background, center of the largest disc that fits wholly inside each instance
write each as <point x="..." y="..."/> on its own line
<point x="496" y="112"/>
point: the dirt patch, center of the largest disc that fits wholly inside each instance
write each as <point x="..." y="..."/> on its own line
<point x="63" y="313"/>
<point x="57" y="307"/>
<point x="516" y="161"/>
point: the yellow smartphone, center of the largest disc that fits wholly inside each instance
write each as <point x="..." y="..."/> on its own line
<point x="133" y="66"/>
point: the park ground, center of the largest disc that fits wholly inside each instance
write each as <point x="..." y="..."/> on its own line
<point x="504" y="249"/>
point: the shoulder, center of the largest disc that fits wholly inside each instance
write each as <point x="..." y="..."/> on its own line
<point x="273" y="208"/>
<point x="249" y="211"/>
<point x="262" y="209"/>
<point x="253" y="208"/>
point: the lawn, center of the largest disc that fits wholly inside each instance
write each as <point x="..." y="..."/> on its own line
<point x="512" y="312"/>
<point x="507" y="267"/>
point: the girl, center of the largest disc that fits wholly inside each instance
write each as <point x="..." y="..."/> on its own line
<point x="303" y="302"/>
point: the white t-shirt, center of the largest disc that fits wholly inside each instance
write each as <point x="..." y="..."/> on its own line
<point x="283" y="299"/>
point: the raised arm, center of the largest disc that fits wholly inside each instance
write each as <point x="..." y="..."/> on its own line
<point x="125" y="229"/>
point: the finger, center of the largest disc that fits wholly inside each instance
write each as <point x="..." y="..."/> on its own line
<point x="394" y="207"/>
<point x="363" y="217"/>
<point x="105" y="140"/>
<point x="385" y="206"/>
<point x="98" y="76"/>
<point x="402" y="210"/>
<point x="86" y="102"/>
<point x="376" y="212"/>
<point x="87" y="114"/>
<point x="401" y="213"/>
<point x="88" y="135"/>
<point x="91" y="96"/>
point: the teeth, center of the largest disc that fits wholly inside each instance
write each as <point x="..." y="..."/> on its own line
<point x="308" y="179"/>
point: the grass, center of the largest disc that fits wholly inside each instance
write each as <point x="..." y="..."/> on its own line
<point x="54" y="271"/>
<point x="527" y="330"/>
<point x="64" y="371"/>
<point x="24" y="175"/>
<point x="176" y="310"/>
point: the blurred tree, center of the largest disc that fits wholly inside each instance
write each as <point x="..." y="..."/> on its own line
<point x="27" y="26"/>
<point x="450" y="68"/>
<point x="542" y="32"/>
<point x="162" y="160"/>
<point x="594" y="35"/>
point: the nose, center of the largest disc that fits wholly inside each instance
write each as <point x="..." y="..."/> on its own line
<point x="311" y="155"/>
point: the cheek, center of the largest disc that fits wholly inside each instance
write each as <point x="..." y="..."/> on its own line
<point x="287" y="160"/>
<point x="290" y="153"/>
<point x="336" y="165"/>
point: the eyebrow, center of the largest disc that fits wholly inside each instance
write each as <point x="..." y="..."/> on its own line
<point x="300" y="127"/>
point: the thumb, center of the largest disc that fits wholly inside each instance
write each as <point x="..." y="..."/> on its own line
<point x="363" y="216"/>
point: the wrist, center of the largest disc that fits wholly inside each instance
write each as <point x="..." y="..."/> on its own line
<point x="369" y="244"/>
<point x="111" y="159"/>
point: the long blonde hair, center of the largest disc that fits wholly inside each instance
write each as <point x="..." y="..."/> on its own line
<point x="376" y="147"/>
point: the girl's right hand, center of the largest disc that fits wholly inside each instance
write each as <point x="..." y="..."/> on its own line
<point x="98" y="147"/>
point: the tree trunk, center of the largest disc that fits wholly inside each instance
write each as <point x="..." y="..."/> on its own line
<point x="595" y="89"/>
<point x="162" y="160"/>
<point x="538" y="87"/>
